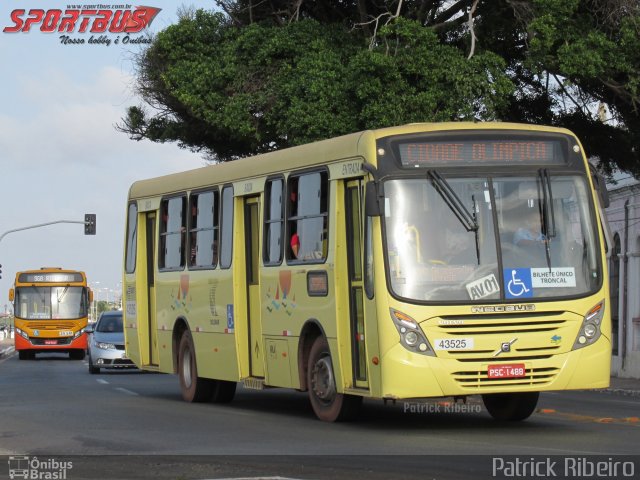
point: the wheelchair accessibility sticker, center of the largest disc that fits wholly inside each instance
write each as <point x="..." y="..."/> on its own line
<point x="517" y="283"/>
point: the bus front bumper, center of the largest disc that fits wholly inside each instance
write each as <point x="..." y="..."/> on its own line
<point x="409" y="375"/>
<point x="54" y="343"/>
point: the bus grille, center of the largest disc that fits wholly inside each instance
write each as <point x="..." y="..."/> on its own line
<point x="504" y="326"/>
<point x="57" y="325"/>
<point x="478" y="379"/>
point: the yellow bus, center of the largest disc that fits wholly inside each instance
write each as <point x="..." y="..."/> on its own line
<point x="51" y="308"/>
<point x="425" y="260"/>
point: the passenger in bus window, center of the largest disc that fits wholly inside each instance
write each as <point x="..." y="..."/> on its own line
<point x="295" y="244"/>
<point x="530" y="234"/>
<point x="293" y="212"/>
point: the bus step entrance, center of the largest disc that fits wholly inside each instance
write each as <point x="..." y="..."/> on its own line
<point x="254" y="383"/>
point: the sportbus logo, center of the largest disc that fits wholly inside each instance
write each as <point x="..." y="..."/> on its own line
<point x="119" y="20"/>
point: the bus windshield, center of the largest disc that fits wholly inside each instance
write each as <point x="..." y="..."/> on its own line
<point x="45" y="303"/>
<point x="482" y="239"/>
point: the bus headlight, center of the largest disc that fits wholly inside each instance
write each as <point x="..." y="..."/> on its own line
<point x="591" y="327"/>
<point x="22" y="333"/>
<point x="411" y="336"/>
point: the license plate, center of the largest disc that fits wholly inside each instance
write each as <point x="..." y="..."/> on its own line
<point x="50" y="342"/>
<point x="509" y="370"/>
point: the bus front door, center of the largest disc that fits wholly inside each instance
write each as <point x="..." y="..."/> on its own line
<point x="354" y="230"/>
<point x="252" y="260"/>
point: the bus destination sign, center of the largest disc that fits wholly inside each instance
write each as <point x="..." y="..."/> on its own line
<point x="492" y="152"/>
<point x="50" y="277"/>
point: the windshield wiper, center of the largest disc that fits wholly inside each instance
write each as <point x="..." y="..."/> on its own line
<point x="454" y="202"/>
<point x="548" y="215"/>
<point x="475" y="219"/>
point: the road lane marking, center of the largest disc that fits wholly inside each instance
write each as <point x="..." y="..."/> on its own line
<point x="127" y="391"/>
<point x="102" y="381"/>
<point x="257" y="478"/>
<point x="631" y="421"/>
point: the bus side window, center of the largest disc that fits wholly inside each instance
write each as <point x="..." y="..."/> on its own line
<point x="132" y="223"/>
<point x="193" y="228"/>
<point x="273" y="222"/>
<point x="172" y="233"/>
<point x="307" y="221"/>
<point x="294" y="238"/>
<point x="203" y="229"/>
<point x="226" y="233"/>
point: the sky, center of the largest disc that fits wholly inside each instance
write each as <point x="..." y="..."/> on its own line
<point x="60" y="155"/>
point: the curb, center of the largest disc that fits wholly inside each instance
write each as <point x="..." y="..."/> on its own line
<point x="618" y="391"/>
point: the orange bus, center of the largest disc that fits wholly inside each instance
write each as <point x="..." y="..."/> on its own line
<point x="51" y="308"/>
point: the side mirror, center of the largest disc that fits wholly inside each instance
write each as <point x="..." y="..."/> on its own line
<point x="11" y="294"/>
<point x="371" y="200"/>
<point x="601" y="186"/>
<point x="90" y="295"/>
<point x="602" y="190"/>
<point x="89" y="328"/>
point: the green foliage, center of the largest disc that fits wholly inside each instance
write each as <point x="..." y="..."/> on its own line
<point x="239" y="91"/>
<point x="268" y="75"/>
<point x="411" y="77"/>
<point x="595" y="49"/>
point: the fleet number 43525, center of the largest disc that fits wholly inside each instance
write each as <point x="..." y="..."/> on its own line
<point x="453" y="344"/>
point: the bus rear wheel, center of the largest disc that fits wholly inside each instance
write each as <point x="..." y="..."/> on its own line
<point x="327" y="403"/>
<point x="511" y="406"/>
<point x="194" y="388"/>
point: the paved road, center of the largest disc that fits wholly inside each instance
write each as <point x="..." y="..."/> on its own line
<point x="53" y="407"/>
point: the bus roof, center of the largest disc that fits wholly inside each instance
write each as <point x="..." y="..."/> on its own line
<point x="308" y="155"/>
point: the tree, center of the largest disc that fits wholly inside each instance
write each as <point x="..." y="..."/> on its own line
<point x="260" y="76"/>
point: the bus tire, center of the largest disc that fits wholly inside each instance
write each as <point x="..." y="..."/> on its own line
<point x="327" y="403"/>
<point x="511" y="406"/>
<point x="76" y="354"/>
<point x="24" y="355"/>
<point x="194" y="389"/>
<point x="223" y="391"/>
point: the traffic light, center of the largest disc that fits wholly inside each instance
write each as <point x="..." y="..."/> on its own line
<point x="89" y="223"/>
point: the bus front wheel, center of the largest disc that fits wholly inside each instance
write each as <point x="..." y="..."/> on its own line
<point x="511" y="406"/>
<point x="327" y="403"/>
<point x="194" y="388"/>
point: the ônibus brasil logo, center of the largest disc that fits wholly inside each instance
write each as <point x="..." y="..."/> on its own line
<point x="94" y="19"/>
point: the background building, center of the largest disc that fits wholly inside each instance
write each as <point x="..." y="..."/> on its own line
<point x="624" y="273"/>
